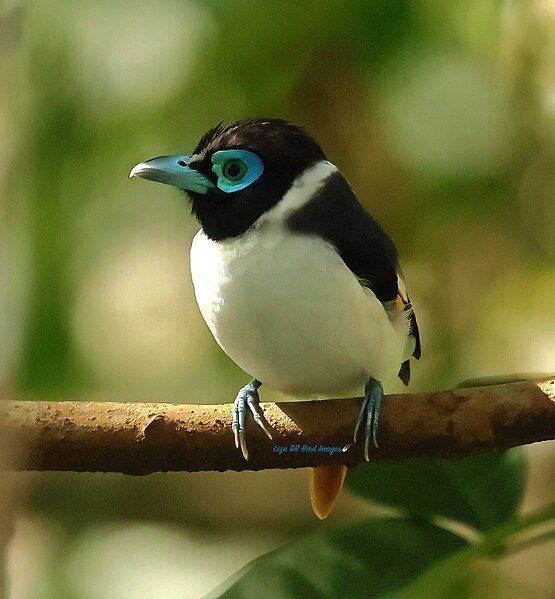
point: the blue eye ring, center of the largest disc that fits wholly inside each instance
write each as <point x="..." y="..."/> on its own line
<point x="236" y="169"/>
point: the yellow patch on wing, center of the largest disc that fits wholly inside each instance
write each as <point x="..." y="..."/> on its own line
<point x="400" y="302"/>
<point x="402" y="294"/>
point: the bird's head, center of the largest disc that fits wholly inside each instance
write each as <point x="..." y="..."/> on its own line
<point x="236" y="172"/>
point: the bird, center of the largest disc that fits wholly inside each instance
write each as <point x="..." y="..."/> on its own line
<point x="297" y="282"/>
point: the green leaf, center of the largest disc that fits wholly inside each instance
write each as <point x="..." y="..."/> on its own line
<point x="366" y="559"/>
<point x="457" y="576"/>
<point x="480" y="490"/>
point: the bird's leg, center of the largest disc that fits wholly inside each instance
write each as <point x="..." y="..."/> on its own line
<point x="370" y="409"/>
<point x="247" y="397"/>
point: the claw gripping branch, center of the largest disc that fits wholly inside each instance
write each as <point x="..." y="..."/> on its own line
<point x="140" y="438"/>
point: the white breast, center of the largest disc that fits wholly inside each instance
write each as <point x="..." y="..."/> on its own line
<point x="289" y="312"/>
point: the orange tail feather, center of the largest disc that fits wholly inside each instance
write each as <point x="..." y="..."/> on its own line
<point x="325" y="484"/>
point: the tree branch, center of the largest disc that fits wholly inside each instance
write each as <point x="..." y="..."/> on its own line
<point x="141" y="438"/>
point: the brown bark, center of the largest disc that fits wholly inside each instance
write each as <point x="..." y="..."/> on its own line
<point x="140" y="438"/>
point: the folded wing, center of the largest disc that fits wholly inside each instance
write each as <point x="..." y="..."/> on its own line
<point x="335" y="214"/>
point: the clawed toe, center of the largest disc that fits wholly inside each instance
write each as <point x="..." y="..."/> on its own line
<point x="247" y="398"/>
<point x="370" y="412"/>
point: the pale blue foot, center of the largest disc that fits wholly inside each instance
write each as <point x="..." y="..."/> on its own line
<point x="370" y="410"/>
<point x="247" y="398"/>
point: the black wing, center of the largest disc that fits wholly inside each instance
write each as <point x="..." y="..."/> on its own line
<point x="335" y="214"/>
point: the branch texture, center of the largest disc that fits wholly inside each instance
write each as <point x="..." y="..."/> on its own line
<point x="141" y="438"/>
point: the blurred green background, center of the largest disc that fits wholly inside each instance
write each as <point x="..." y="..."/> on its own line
<point x="442" y="117"/>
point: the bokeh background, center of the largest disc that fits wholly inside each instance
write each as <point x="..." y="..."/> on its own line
<point x="442" y="117"/>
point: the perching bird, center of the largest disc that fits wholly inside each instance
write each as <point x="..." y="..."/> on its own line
<point x="297" y="282"/>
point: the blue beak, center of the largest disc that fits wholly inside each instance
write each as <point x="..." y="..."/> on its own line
<point x="172" y="170"/>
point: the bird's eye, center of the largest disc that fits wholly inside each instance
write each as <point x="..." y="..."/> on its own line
<point x="236" y="169"/>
